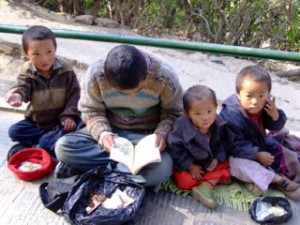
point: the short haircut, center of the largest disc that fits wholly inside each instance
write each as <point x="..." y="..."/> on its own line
<point x="197" y="92"/>
<point x="255" y="73"/>
<point x="37" y="33"/>
<point x="125" y="67"/>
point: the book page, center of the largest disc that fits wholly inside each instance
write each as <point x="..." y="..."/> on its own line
<point x="123" y="152"/>
<point x="145" y="153"/>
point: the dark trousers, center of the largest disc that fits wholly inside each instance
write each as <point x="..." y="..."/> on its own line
<point x="26" y="132"/>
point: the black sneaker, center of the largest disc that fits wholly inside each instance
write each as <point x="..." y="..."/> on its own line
<point x="14" y="149"/>
<point x="63" y="170"/>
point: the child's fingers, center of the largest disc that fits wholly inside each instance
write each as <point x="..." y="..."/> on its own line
<point x="15" y="104"/>
<point x="273" y="100"/>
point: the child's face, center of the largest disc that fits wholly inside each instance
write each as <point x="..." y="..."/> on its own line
<point x="42" y="55"/>
<point x="202" y="113"/>
<point x="252" y="95"/>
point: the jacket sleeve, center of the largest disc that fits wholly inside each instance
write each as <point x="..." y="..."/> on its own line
<point x="23" y="87"/>
<point x="275" y="125"/>
<point x="220" y="152"/>
<point x="240" y="146"/>
<point x="91" y="104"/>
<point x="222" y="145"/>
<point x="177" y="149"/>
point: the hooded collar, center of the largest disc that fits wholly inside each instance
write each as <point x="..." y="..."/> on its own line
<point x="233" y="104"/>
<point x="190" y="131"/>
<point x="32" y="70"/>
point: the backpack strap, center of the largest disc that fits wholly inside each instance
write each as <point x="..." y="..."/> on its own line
<point x="54" y="193"/>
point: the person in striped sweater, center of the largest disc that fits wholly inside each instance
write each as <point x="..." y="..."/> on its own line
<point x="129" y="93"/>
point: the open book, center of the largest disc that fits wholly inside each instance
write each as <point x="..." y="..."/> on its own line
<point x="135" y="157"/>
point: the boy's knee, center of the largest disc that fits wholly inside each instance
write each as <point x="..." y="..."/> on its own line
<point x="59" y="148"/>
<point x="12" y="132"/>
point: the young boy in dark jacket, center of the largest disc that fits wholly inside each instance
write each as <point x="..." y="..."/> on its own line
<point x="197" y="145"/>
<point x="50" y="86"/>
<point x="257" y="159"/>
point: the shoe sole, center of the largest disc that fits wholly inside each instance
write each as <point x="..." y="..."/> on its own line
<point x="64" y="171"/>
<point x="293" y="194"/>
<point x="207" y="203"/>
<point x="14" y="149"/>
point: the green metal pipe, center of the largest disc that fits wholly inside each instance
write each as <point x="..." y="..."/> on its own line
<point x="166" y="43"/>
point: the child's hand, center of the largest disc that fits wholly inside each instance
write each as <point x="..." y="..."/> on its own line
<point x="271" y="109"/>
<point x="213" y="165"/>
<point x="265" y="158"/>
<point x="68" y="124"/>
<point x="196" y="172"/>
<point x="14" y="99"/>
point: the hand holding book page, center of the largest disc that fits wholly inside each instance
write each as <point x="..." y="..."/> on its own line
<point x="135" y="157"/>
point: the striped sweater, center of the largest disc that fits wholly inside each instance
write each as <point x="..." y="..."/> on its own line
<point x="154" y="107"/>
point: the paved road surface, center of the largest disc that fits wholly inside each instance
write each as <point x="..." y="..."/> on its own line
<point x="21" y="205"/>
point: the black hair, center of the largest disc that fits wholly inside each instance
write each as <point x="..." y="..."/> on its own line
<point x="197" y="92"/>
<point x="255" y="73"/>
<point x="37" y="33"/>
<point x="125" y="67"/>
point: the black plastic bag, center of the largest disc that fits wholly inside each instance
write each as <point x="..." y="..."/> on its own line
<point x="54" y="193"/>
<point x="106" y="183"/>
<point x="280" y="202"/>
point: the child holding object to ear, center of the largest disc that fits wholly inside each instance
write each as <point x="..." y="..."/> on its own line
<point x="257" y="158"/>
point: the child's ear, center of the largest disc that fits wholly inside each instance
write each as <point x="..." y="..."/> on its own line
<point x="185" y="113"/>
<point x="238" y="96"/>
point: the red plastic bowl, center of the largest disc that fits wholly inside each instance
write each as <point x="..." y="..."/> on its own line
<point x="34" y="155"/>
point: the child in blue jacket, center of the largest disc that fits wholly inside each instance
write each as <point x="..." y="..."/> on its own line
<point x="257" y="158"/>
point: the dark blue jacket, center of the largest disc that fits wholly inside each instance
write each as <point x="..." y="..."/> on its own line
<point x="246" y="138"/>
<point x="187" y="145"/>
